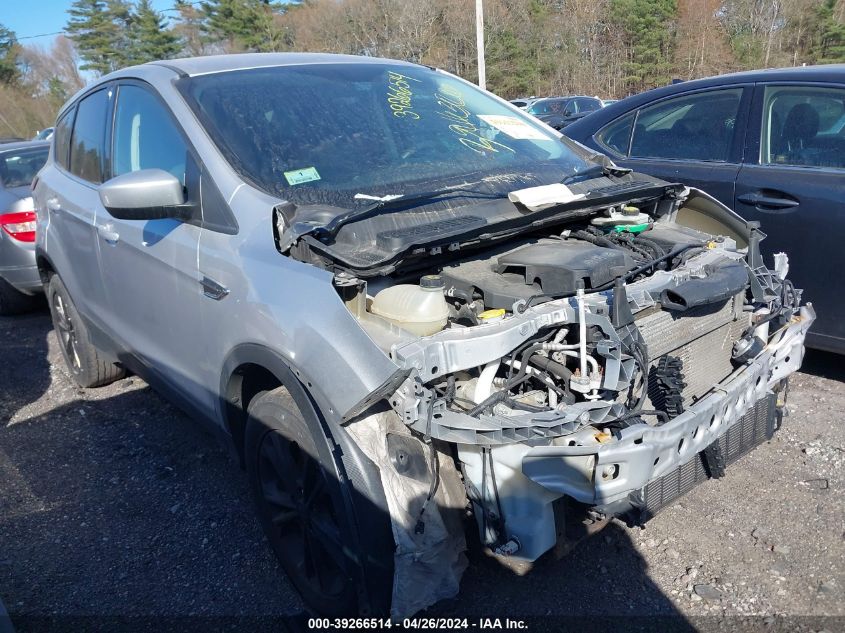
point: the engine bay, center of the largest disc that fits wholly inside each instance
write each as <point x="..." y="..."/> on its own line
<point x="583" y="359"/>
<point x="542" y="333"/>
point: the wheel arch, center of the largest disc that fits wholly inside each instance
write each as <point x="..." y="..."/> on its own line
<point x="45" y="266"/>
<point x="248" y="370"/>
<point x="251" y="369"/>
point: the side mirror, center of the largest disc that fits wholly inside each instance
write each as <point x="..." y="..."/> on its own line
<point x="148" y="194"/>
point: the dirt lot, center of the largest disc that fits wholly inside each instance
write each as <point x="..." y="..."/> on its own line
<point x="113" y="503"/>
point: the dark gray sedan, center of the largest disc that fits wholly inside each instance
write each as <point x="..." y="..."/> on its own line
<point x="19" y="280"/>
<point x="770" y="145"/>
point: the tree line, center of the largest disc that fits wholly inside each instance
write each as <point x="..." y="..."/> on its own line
<point x="609" y="48"/>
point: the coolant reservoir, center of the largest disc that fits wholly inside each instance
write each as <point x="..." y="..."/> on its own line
<point x="627" y="216"/>
<point x="421" y="309"/>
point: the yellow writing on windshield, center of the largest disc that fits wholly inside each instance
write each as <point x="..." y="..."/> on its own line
<point x="454" y="110"/>
<point x="399" y="95"/>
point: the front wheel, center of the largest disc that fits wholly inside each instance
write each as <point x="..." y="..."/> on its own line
<point x="307" y="512"/>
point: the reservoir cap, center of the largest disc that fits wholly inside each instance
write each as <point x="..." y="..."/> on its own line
<point x="492" y="315"/>
<point x="432" y="282"/>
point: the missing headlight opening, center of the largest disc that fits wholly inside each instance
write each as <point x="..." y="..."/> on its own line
<point x="566" y="373"/>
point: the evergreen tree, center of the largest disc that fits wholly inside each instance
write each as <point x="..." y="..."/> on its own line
<point x="243" y="25"/>
<point x="100" y="29"/>
<point x="151" y="39"/>
<point x="829" y="40"/>
<point x="189" y="27"/>
<point x="648" y="29"/>
<point x="9" y="49"/>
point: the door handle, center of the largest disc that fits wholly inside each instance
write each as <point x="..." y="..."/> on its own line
<point x="108" y="234"/>
<point x="772" y="202"/>
<point x="212" y="289"/>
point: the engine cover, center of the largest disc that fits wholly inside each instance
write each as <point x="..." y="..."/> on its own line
<point x="547" y="267"/>
<point x="557" y="267"/>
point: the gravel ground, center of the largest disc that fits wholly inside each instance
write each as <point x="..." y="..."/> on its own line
<point x="113" y="503"/>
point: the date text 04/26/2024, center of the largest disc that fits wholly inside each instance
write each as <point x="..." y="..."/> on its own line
<point x="413" y="624"/>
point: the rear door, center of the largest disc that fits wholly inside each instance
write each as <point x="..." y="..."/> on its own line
<point x="695" y="138"/>
<point x="149" y="267"/>
<point x="793" y="182"/>
<point x="72" y="200"/>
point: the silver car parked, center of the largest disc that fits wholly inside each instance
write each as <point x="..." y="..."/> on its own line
<point x="19" y="279"/>
<point x="398" y="297"/>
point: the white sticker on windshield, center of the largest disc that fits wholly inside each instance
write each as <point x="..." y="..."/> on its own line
<point x="514" y="127"/>
<point x="299" y="176"/>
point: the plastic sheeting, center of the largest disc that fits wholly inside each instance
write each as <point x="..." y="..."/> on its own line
<point x="428" y="566"/>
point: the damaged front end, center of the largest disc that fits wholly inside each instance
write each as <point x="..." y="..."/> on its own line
<point x="599" y="369"/>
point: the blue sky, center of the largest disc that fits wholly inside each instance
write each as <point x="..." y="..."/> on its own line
<point x="34" y="17"/>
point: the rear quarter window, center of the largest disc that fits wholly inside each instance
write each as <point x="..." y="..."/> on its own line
<point x="88" y="138"/>
<point x="61" y="139"/>
<point x="616" y="136"/>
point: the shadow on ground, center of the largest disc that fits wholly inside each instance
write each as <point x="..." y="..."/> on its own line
<point x="114" y="504"/>
<point x="824" y="364"/>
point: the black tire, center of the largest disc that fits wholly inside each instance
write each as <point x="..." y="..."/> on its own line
<point x="306" y="508"/>
<point x="84" y="362"/>
<point x="13" y="301"/>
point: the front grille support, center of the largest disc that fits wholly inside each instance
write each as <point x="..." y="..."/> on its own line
<point x="755" y="427"/>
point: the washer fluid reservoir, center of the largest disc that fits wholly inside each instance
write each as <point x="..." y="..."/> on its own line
<point x="420" y="309"/>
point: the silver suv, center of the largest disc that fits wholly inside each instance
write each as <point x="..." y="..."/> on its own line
<point x="398" y="297"/>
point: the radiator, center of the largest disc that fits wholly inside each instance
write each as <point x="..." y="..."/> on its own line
<point x="702" y="338"/>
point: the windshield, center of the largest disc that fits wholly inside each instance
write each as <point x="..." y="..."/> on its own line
<point x="344" y="133"/>
<point x="18" y="167"/>
<point x="548" y="106"/>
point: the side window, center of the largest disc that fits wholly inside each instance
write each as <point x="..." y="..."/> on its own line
<point x="692" y="127"/>
<point x="88" y="139"/>
<point x="61" y="138"/>
<point x="803" y="126"/>
<point x="616" y="136"/>
<point x="145" y="135"/>
<point x="588" y="105"/>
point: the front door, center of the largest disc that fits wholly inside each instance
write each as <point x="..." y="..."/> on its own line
<point x="793" y="183"/>
<point x="149" y="267"/>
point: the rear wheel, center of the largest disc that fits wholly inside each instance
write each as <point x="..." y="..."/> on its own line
<point x="84" y="361"/>
<point x="13" y="301"/>
<point x="306" y="510"/>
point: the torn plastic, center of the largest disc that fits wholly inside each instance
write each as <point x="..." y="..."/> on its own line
<point x="428" y="561"/>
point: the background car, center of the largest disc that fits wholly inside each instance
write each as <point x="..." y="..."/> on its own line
<point x="523" y="102"/>
<point x="769" y="144"/>
<point x="19" y="280"/>
<point x="44" y="135"/>
<point x="559" y="112"/>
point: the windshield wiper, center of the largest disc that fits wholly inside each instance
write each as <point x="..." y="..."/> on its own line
<point x="354" y="215"/>
<point x="594" y="172"/>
